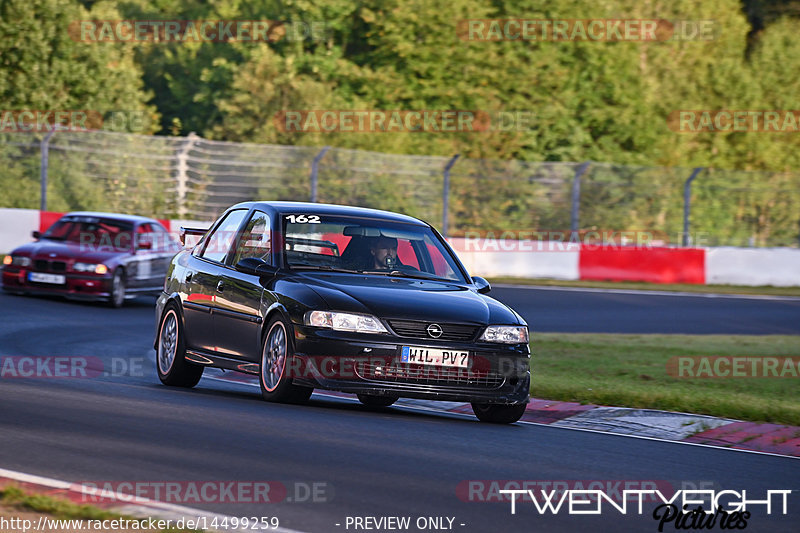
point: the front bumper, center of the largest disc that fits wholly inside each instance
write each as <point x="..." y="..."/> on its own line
<point x="90" y="287"/>
<point x="370" y="364"/>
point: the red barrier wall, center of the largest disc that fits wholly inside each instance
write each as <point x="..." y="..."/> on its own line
<point x="655" y="265"/>
<point x="47" y="219"/>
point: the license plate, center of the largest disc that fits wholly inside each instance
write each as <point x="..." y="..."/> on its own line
<point x="39" y="277"/>
<point x="432" y="356"/>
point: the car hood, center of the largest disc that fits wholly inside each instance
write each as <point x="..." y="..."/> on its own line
<point x="64" y="250"/>
<point x="393" y="297"/>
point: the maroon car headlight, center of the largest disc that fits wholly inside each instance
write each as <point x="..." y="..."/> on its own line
<point x="344" y="322"/>
<point x="506" y="334"/>
<point x="17" y="260"/>
<point x="94" y="268"/>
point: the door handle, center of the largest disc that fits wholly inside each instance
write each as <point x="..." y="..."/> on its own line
<point x="220" y="286"/>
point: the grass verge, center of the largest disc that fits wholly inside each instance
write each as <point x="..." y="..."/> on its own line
<point x="644" y="286"/>
<point x="15" y="503"/>
<point x="631" y="371"/>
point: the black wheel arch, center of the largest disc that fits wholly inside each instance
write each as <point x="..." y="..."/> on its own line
<point x="276" y="309"/>
<point x="175" y="299"/>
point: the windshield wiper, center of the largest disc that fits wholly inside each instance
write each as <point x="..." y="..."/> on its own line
<point x="393" y="273"/>
<point x="326" y="268"/>
<point x="402" y="274"/>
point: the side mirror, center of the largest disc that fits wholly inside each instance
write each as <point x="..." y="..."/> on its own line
<point x="36" y="234"/>
<point x="256" y="267"/>
<point x="482" y="285"/>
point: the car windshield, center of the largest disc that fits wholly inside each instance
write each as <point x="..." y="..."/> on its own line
<point x="371" y="246"/>
<point x="93" y="232"/>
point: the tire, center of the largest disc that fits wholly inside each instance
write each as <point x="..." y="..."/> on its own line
<point x="376" y="401"/>
<point x="171" y="364"/>
<point x="498" y="414"/>
<point x="276" y="350"/>
<point x="117" y="298"/>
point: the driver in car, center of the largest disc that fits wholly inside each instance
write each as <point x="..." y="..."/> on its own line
<point x="384" y="253"/>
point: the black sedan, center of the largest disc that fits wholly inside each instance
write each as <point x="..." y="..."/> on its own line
<point x="355" y="300"/>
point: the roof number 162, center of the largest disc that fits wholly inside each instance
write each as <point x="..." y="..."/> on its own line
<point x="303" y="219"/>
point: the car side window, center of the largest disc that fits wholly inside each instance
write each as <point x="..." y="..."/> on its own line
<point x="220" y="241"/>
<point x="256" y="239"/>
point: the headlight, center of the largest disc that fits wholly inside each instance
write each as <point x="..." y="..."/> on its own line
<point x="506" y="334"/>
<point x="17" y="261"/>
<point x="90" y="267"/>
<point x="344" y="322"/>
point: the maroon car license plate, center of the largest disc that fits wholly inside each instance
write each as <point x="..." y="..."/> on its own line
<point x="40" y="277"/>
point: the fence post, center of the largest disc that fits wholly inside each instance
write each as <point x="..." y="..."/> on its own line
<point x="44" y="166"/>
<point x="446" y="194"/>
<point x="687" y="204"/>
<point x="315" y="170"/>
<point x="182" y="177"/>
<point x="574" y="217"/>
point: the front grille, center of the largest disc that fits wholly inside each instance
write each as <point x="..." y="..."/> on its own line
<point x="429" y="375"/>
<point x="43" y="265"/>
<point x="419" y="330"/>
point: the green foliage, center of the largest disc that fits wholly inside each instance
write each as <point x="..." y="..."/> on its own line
<point x="45" y="68"/>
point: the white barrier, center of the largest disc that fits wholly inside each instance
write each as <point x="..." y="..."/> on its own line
<point x="16" y="226"/>
<point x="524" y="260"/>
<point x="753" y="266"/>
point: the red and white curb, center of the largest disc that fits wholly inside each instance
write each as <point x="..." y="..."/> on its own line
<point x="118" y="502"/>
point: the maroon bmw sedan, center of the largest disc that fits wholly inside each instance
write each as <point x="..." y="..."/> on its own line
<point x="98" y="256"/>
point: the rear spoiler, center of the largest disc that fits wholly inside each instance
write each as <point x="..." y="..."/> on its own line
<point x="191" y="231"/>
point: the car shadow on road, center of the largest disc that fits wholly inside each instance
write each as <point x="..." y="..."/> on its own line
<point x="318" y="403"/>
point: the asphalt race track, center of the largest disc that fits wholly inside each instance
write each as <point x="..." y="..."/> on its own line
<point x="365" y="463"/>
